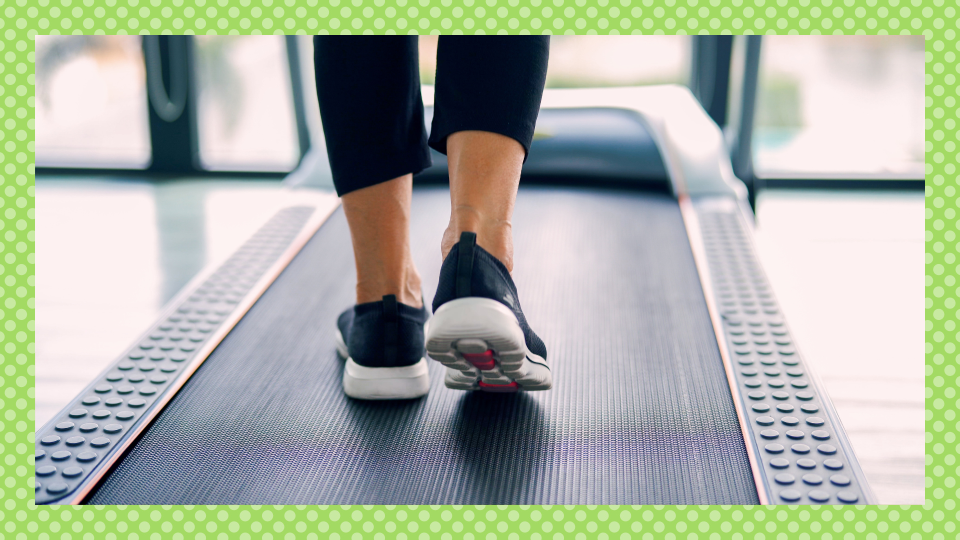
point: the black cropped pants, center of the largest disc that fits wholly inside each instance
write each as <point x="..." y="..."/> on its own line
<point x="369" y="93"/>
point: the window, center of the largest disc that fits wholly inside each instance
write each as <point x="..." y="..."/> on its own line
<point x="840" y="106"/>
<point x="91" y="102"/>
<point x="245" y="114"/>
<point x="594" y="61"/>
<point x="581" y="61"/>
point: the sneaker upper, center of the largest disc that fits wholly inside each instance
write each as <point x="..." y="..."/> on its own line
<point x="386" y="333"/>
<point x="471" y="271"/>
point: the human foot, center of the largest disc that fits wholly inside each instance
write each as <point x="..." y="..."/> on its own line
<point x="382" y="343"/>
<point x="478" y="329"/>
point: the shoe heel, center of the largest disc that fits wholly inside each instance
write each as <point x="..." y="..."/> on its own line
<point x="482" y="361"/>
<point x="473" y="326"/>
<point x="406" y="382"/>
<point x="481" y="343"/>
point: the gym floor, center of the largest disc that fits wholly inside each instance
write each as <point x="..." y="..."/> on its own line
<point x="847" y="268"/>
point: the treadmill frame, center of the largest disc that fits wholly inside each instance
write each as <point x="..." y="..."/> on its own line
<point x="702" y="180"/>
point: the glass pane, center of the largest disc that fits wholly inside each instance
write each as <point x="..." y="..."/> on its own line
<point x="840" y="105"/>
<point x="245" y="114"/>
<point x="579" y="61"/>
<point x="91" y="102"/>
<point x="595" y="61"/>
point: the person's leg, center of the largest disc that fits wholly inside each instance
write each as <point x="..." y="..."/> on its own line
<point x="484" y="177"/>
<point x="369" y="93"/>
<point x="487" y="99"/>
<point x="379" y="220"/>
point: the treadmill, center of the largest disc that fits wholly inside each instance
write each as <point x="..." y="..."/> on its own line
<point x="676" y="377"/>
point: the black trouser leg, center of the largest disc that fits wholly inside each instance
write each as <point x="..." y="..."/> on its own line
<point x="489" y="83"/>
<point x="368" y="88"/>
<point x="369" y="93"/>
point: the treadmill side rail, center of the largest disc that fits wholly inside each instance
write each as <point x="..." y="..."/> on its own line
<point x="79" y="445"/>
<point x="799" y="448"/>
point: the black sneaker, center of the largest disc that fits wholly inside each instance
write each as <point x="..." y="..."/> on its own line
<point x="383" y="344"/>
<point x="478" y="329"/>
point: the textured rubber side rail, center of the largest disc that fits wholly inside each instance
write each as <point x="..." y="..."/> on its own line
<point x="640" y="411"/>
<point x="76" y="447"/>
<point x="803" y="453"/>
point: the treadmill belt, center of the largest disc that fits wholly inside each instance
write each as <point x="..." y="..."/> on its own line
<point x="640" y="413"/>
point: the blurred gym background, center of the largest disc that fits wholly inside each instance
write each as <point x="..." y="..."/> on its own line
<point x="834" y="164"/>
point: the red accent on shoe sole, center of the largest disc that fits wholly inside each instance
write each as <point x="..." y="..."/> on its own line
<point x="512" y="387"/>
<point x="482" y="361"/>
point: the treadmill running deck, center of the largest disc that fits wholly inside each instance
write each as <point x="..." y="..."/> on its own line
<point x="640" y="413"/>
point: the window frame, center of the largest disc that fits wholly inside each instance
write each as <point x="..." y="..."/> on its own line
<point x="179" y="137"/>
<point x="742" y="70"/>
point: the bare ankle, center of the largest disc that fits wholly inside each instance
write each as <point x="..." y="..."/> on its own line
<point x="484" y="178"/>
<point x="495" y="236"/>
<point x="407" y="289"/>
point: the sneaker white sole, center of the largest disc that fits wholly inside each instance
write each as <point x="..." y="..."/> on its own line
<point x="480" y="342"/>
<point x="362" y="382"/>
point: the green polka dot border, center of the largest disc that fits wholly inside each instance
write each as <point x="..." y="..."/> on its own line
<point x="23" y="19"/>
